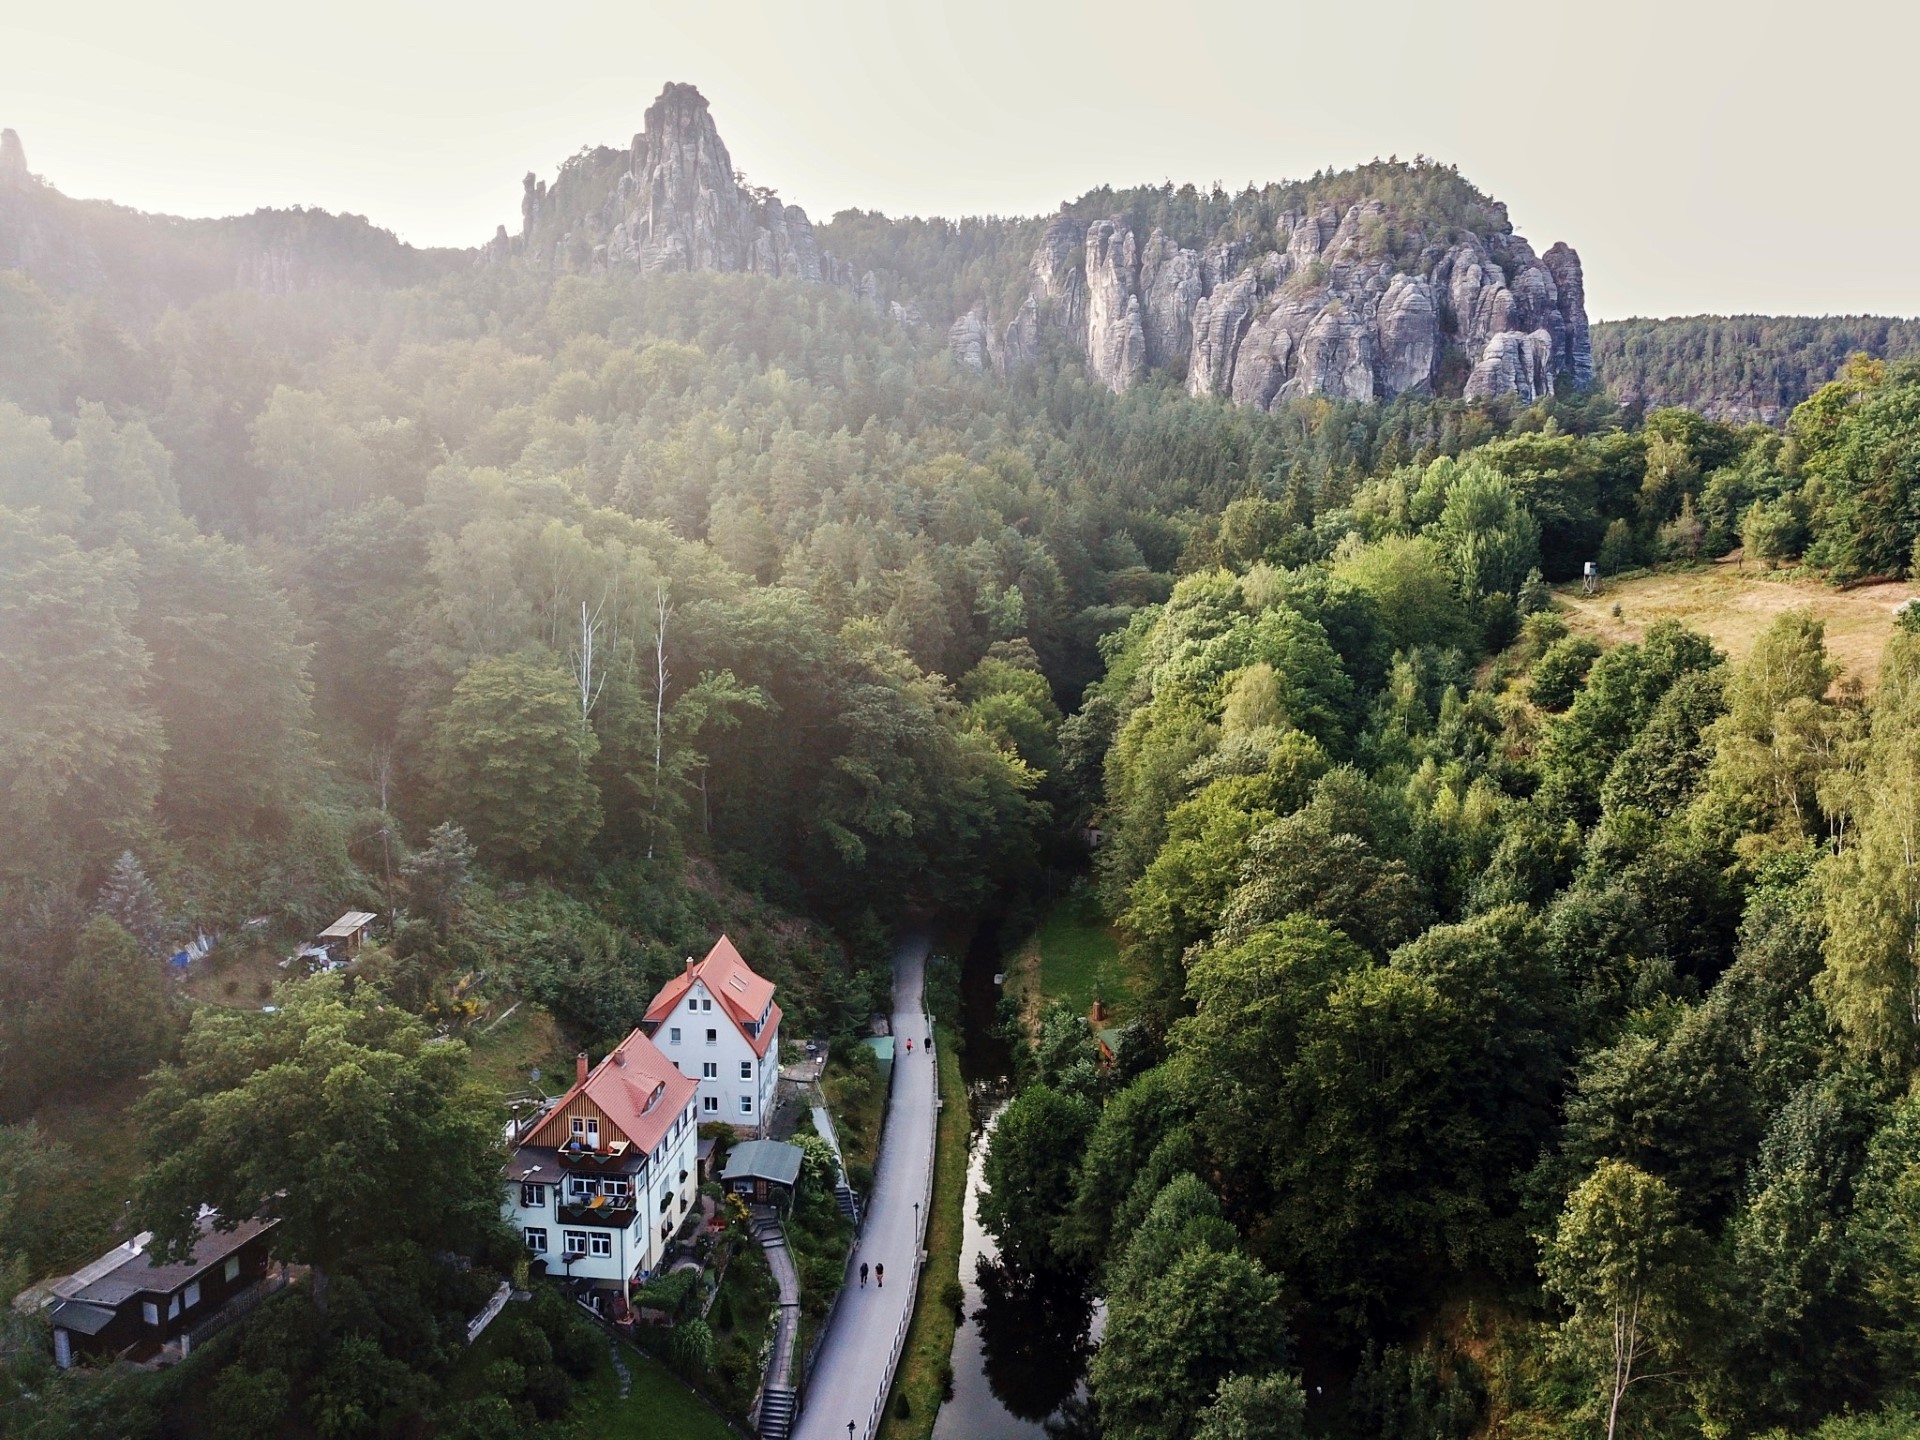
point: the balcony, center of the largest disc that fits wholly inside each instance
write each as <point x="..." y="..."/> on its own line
<point x="614" y="1211"/>
<point x="579" y="1155"/>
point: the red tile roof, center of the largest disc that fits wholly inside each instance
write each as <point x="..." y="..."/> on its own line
<point x="744" y="995"/>
<point x="636" y="1087"/>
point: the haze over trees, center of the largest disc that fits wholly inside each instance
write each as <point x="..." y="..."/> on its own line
<point x="1527" y="1030"/>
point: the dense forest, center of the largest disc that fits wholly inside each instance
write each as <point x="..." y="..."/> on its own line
<point x="1528" y="1028"/>
<point x="1739" y="368"/>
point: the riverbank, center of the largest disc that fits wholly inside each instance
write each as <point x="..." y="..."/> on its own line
<point x="926" y="1365"/>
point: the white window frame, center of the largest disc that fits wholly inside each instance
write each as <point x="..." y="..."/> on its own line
<point x="713" y="1037"/>
<point x="673" y="1034"/>
<point x="710" y="1104"/>
<point x="582" y="1187"/>
<point x="536" y="1238"/>
<point x="193" y="1294"/>
<point x="575" y="1242"/>
<point x="150" y="1312"/>
<point x="600" y="1245"/>
<point x="616" y="1188"/>
<point x="746" y="1069"/>
<point x="533" y="1195"/>
<point x="709" y="1069"/>
<point x="746" y="1104"/>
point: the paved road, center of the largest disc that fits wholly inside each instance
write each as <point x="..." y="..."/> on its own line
<point x="855" y="1368"/>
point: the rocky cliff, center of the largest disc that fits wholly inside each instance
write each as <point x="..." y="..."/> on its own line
<point x="1361" y="303"/>
<point x="671" y="201"/>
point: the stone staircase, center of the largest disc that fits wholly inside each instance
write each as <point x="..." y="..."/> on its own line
<point x="849" y="1203"/>
<point x="776" y="1414"/>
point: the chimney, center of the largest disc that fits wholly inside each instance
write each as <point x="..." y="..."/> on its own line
<point x="620" y="1056"/>
<point x="580" y="1068"/>
<point x="689" y="964"/>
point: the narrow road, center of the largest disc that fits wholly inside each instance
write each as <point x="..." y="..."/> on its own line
<point x="862" y="1346"/>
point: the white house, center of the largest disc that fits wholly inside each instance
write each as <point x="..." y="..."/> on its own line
<point x="717" y="1022"/>
<point x="601" y="1180"/>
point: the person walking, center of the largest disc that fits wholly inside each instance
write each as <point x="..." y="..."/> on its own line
<point x="880" y="1276"/>
<point x="909" y="1045"/>
<point x="863" y="1274"/>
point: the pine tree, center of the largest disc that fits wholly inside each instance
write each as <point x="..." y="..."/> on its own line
<point x="129" y="898"/>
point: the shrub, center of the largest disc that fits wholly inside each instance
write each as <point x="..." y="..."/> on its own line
<point x="549" y="1391"/>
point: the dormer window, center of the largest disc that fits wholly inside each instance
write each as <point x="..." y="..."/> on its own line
<point x="587" y="1130"/>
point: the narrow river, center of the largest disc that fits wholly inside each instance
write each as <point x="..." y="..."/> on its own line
<point x="1020" y="1355"/>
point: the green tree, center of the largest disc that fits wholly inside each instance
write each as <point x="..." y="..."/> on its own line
<point x="1489" y="538"/>
<point x="1029" y="1173"/>
<point x="1209" y="1316"/>
<point x="1250" y="1407"/>
<point x="512" y="762"/>
<point x="1871" y="984"/>
<point x="111" y="1015"/>
<point x="229" y="681"/>
<point x="1780" y="735"/>
<point x="1622" y="1259"/>
<point x="318" y="1115"/>
<point x="80" y="749"/>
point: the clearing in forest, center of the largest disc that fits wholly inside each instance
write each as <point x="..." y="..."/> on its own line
<point x="1732" y="605"/>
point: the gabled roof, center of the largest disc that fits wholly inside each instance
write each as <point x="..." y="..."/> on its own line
<point x="128" y="1270"/>
<point x="744" y="995"/>
<point x="636" y="1087"/>
<point x="764" y="1160"/>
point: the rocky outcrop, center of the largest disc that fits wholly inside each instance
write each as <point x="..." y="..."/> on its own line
<point x="1116" y="334"/>
<point x="671" y="201"/>
<point x="1354" y="304"/>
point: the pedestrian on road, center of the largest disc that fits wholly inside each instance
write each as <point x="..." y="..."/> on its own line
<point x="863" y="1274"/>
<point x="909" y="1045"/>
<point x="929" y="1040"/>
<point x="880" y="1276"/>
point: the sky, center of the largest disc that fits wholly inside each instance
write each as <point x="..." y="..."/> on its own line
<point x="1702" y="157"/>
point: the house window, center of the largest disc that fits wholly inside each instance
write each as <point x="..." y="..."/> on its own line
<point x="232" y="1272"/>
<point x="746" y="1104"/>
<point x="574" y="1241"/>
<point x="713" y="1037"/>
<point x="616" y="1188"/>
<point x="673" y="1035"/>
<point x="709" y="1103"/>
<point x="706" y="1004"/>
<point x="533" y="1197"/>
<point x="587" y="1128"/>
<point x="173" y="1308"/>
<point x="602" y="1243"/>
<point x="582" y="1186"/>
<point x="536" y="1239"/>
<point x="746" y="1069"/>
<point x="193" y="1294"/>
<point x="709" y="1070"/>
<point x="150" y="1312"/>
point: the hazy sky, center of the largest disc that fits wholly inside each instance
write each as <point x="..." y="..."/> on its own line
<point x="1750" y="156"/>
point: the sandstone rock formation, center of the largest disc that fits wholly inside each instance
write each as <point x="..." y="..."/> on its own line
<point x="1355" y="305"/>
<point x="672" y="201"/>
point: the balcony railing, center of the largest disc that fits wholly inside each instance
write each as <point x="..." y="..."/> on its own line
<point x="616" y="1211"/>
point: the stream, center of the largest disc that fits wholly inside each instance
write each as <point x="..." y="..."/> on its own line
<point x="1020" y="1355"/>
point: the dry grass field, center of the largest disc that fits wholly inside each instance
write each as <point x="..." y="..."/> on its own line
<point x="1733" y="605"/>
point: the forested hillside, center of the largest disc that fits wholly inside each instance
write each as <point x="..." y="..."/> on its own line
<point x="1738" y="368"/>
<point x="1527" y="1032"/>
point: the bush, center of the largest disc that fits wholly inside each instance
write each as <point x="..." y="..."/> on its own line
<point x="245" y="1403"/>
<point x="954" y="1296"/>
<point x="902" y="1407"/>
<point x="549" y="1391"/>
<point x="1561" y="671"/>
